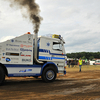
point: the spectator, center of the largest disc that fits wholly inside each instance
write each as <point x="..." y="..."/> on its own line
<point x="72" y="63"/>
<point x="80" y="64"/>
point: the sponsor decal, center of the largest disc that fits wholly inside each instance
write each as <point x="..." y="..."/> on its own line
<point x="12" y="49"/>
<point x="8" y="60"/>
<point x="28" y="55"/>
<point x="27" y="46"/>
<point x="25" y="55"/>
<point x="26" y="60"/>
<point x="3" y="58"/>
<point x="22" y="49"/>
<point x="12" y="45"/>
<point x="19" y="41"/>
<point x="14" y="58"/>
<point x="26" y="70"/>
<point x="21" y="54"/>
<point x="12" y="54"/>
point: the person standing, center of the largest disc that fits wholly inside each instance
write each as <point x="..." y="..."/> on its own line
<point x="80" y="64"/>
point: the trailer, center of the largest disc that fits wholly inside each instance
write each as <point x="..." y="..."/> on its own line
<point x="30" y="55"/>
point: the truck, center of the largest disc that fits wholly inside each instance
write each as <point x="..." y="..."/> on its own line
<point x="30" y="55"/>
<point x="97" y="62"/>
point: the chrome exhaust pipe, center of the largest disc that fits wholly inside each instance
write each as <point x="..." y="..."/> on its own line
<point x="35" y="50"/>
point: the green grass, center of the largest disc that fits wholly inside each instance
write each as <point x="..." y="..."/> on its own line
<point x="84" y="68"/>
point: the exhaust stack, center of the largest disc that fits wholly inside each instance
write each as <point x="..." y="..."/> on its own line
<point x="35" y="50"/>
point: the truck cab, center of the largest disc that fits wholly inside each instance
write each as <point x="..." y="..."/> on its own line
<point x="52" y="50"/>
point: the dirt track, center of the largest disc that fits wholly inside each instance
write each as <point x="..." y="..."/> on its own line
<point x="74" y="86"/>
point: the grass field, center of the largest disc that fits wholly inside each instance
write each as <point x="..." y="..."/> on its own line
<point x="84" y="68"/>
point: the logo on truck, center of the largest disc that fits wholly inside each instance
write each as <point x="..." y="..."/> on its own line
<point x="12" y="40"/>
<point x="27" y="46"/>
<point x="21" y="54"/>
<point x="19" y="41"/>
<point x="26" y="60"/>
<point x="12" y="54"/>
<point x="8" y="60"/>
<point x="22" y="49"/>
<point x="25" y="55"/>
<point x="12" y="49"/>
<point x="12" y="45"/>
<point x="26" y="70"/>
<point x="14" y="58"/>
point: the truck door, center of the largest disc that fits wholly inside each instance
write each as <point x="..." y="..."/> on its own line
<point x="57" y="53"/>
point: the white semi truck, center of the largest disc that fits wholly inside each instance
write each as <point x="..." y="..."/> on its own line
<point x="30" y="55"/>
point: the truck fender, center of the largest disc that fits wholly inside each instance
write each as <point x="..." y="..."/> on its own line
<point x="46" y="64"/>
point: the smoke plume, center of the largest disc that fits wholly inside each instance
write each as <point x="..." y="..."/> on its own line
<point x="32" y="11"/>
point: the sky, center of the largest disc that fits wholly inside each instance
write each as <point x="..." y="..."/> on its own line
<point x="77" y="21"/>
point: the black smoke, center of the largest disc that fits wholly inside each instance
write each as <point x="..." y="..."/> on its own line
<point x="32" y="11"/>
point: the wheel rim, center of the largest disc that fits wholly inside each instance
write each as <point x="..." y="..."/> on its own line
<point x="50" y="75"/>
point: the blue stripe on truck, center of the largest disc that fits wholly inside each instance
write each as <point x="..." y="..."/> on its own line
<point x="49" y="58"/>
<point x="15" y="65"/>
<point x="48" y="51"/>
<point x="22" y="74"/>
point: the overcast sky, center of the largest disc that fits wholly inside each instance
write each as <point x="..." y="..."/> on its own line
<point x="78" y="21"/>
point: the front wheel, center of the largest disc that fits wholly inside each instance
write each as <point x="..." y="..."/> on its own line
<point x="49" y="74"/>
<point x="2" y="76"/>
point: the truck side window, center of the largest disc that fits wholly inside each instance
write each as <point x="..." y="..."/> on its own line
<point x="57" y="46"/>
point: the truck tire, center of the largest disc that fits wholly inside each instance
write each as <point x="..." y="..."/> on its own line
<point x="49" y="74"/>
<point x="2" y="76"/>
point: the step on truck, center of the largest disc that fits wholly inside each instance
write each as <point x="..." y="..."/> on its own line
<point x="29" y="55"/>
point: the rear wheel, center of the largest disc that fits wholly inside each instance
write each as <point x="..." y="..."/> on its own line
<point x="2" y="76"/>
<point x="49" y="74"/>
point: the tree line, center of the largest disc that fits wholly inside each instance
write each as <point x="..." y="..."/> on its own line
<point x="84" y="55"/>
